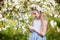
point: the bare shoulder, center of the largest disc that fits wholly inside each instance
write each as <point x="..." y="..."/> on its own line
<point x="45" y="21"/>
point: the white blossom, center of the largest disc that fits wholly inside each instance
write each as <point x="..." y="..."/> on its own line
<point x="34" y="1"/>
<point x="24" y="29"/>
<point x="15" y="28"/>
<point x="27" y="21"/>
<point x="0" y="15"/>
<point x="10" y="8"/>
<point x="0" y="29"/>
<point x="37" y="7"/>
<point x="52" y="8"/>
<point x="33" y="6"/>
<point x="7" y="26"/>
<point x="1" y="19"/>
<point x="17" y="6"/>
<point x="15" y="2"/>
<point x="52" y="2"/>
<point x="53" y="24"/>
<point x="21" y="9"/>
<point x="26" y="16"/>
<point x="50" y="14"/>
<point x="28" y="8"/>
<point x="45" y="3"/>
<point x="3" y="9"/>
<point x="37" y="0"/>
<point x="3" y="28"/>
<point x="5" y="1"/>
<point x="58" y="29"/>
<point x="20" y="19"/>
<point x="0" y="12"/>
<point x="6" y="20"/>
<point x="31" y="1"/>
<point x="9" y="2"/>
<point x="56" y="15"/>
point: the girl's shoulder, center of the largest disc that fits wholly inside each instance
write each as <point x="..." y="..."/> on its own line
<point x="45" y="21"/>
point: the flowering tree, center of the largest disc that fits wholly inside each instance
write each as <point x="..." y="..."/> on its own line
<point x="15" y="17"/>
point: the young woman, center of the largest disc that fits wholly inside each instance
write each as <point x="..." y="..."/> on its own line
<point x="39" y="24"/>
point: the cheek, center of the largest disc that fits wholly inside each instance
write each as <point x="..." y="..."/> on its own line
<point x="38" y="15"/>
<point x="33" y="15"/>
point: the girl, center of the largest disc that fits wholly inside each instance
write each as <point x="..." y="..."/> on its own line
<point x="39" y="24"/>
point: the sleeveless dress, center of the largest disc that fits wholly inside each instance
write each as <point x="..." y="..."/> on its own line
<point x="34" y="35"/>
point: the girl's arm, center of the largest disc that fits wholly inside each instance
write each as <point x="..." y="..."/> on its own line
<point x="43" y="30"/>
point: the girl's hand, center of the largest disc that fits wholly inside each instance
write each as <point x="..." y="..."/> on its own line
<point x="31" y="28"/>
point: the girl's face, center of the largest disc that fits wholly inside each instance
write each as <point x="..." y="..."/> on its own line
<point x="35" y="14"/>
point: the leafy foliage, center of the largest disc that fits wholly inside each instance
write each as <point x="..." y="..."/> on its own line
<point x="15" y="17"/>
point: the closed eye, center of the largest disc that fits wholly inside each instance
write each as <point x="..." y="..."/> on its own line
<point x="34" y="13"/>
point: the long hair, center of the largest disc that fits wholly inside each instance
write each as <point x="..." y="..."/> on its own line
<point x="43" y="15"/>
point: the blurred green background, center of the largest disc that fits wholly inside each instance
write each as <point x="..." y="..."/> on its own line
<point x="15" y="17"/>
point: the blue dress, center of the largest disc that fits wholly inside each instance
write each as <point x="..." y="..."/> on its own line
<point x="34" y="35"/>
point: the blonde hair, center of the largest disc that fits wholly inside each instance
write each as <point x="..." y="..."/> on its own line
<point x="44" y="18"/>
<point x="44" y="15"/>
